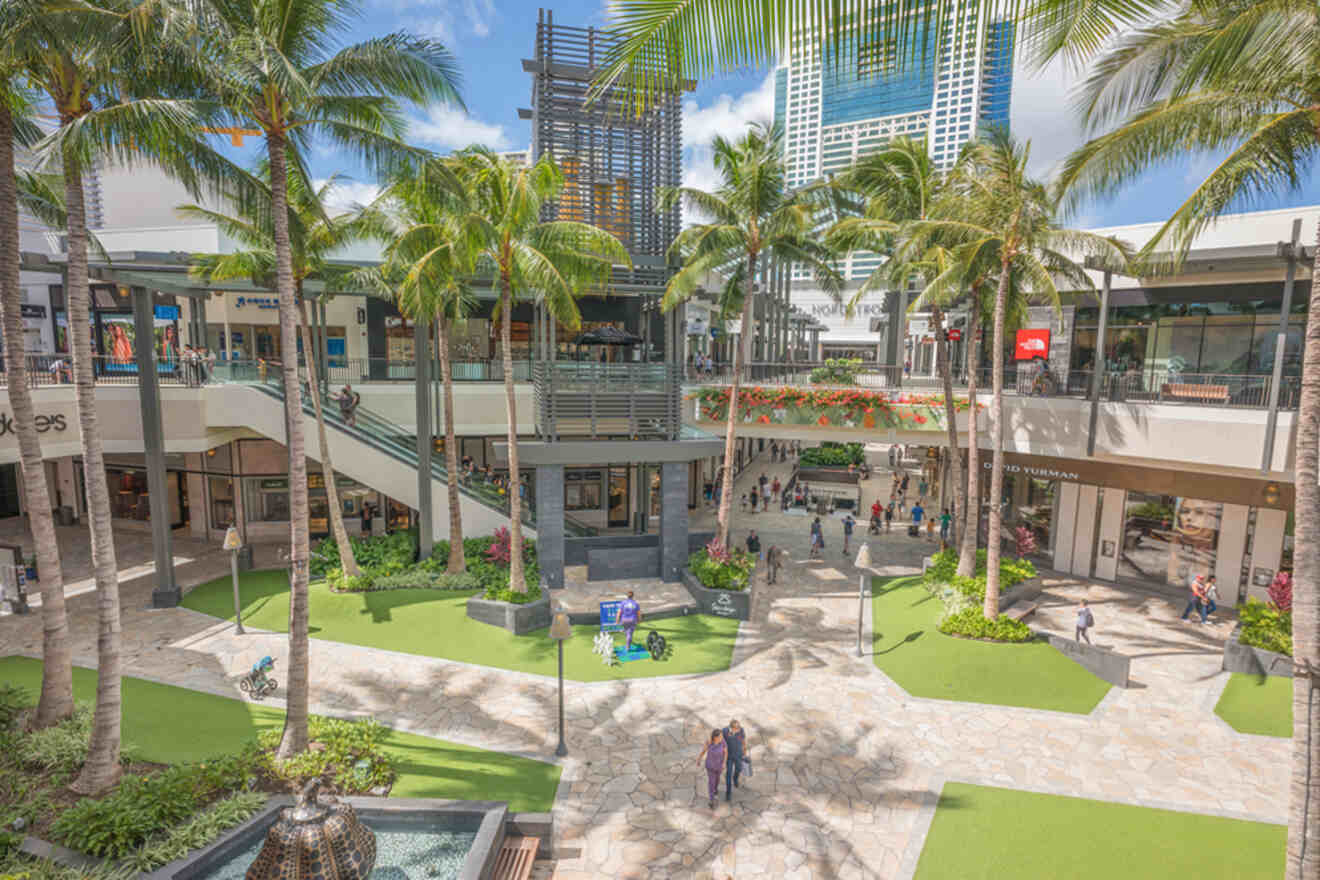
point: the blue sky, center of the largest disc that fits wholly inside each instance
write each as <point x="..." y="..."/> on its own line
<point x="490" y="37"/>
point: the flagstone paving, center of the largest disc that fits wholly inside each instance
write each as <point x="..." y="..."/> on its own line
<point x="847" y="767"/>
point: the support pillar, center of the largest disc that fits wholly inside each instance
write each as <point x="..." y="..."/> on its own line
<point x="673" y="520"/>
<point x="422" y="371"/>
<point x="165" y="594"/>
<point x="550" y="524"/>
<point x="1281" y="346"/>
<point x="1098" y="367"/>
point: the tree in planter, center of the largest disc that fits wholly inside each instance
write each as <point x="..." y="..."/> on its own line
<point x="268" y="67"/>
<point x="526" y="258"/>
<point x="18" y="126"/>
<point x="751" y="217"/>
<point x="313" y="237"/>
<point x="1003" y="218"/>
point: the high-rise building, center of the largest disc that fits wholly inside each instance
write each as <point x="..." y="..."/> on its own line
<point x="839" y="105"/>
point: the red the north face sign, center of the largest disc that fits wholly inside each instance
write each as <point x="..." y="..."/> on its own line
<point x="1033" y="344"/>
<point x="954" y="335"/>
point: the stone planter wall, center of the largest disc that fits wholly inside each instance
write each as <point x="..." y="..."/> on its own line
<point x="735" y="604"/>
<point x="1101" y="662"/>
<point x="1254" y="661"/>
<point x="517" y="619"/>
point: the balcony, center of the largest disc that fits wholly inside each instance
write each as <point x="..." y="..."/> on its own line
<point x="604" y="400"/>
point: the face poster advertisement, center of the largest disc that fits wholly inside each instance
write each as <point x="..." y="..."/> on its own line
<point x="1195" y="539"/>
<point x="119" y="341"/>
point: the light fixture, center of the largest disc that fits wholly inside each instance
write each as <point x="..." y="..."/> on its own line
<point x="1271" y="493"/>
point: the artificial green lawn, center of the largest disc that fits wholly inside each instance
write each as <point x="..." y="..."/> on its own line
<point x="1258" y="704"/>
<point x="434" y="623"/>
<point x="981" y="832"/>
<point x="909" y="648"/>
<point x="172" y="725"/>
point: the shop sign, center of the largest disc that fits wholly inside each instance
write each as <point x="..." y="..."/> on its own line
<point x="167" y="313"/>
<point x="260" y="302"/>
<point x="723" y="606"/>
<point x="1033" y="344"/>
<point x="44" y="423"/>
<point x="953" y="335"/>
<point x="282" y="483"/>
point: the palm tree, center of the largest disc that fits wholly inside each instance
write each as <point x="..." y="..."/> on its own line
<point x="418" y="217"/>
<point x="751" y="217"/>
<point x="101" y="66"/>
<point x="1216" y="76"/>
<point x="1004" y="218"/>
<point x="551" y="261"/>
<point x="897" y="185"/>
<point x="17" y="126"/>
<point x="314" y="237"/>
<point x="268" y="68"/>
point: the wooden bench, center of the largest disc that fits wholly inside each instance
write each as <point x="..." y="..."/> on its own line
<point x="1020" y="610"/>
<point x="516" y="857"/>
<point x="1189" y="391"/>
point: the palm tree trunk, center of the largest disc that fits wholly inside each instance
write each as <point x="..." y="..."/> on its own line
<point x="731" y="422"/>
<point x="347" y="561"/>
<point x="972" y="509"/>
<point x="517" y="581"/>
<point x="946" y="373"/>
<point x="294" y="738"/>
<point x="456" y="561"/>
<point x="992" y="548"/>
<point x="56" y="703"/>
<point x="1303" y="853"/>
<point x="102" y="769"/>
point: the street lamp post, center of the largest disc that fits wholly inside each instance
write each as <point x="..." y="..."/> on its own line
<point x="232" y="544"/>
<point x="863" y="562"/>
<point x="561" y="629"/>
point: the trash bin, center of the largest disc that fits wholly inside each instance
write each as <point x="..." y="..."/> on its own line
<point x="245" y="557"/>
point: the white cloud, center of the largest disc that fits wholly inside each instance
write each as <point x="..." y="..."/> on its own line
<point x="479" y="14"/>
<point x="1042" y="112"/>
<point x="443" y="20"/>
<point x="726" y="115"/>
<point x="452" y="128"/>
<point x="345" y="194"/>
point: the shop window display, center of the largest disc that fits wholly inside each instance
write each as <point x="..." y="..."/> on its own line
<point x="1169" y="539"/>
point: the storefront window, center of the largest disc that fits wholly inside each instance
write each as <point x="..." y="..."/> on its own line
<point x="222" y="502"/>
<point x="582" y="490"/>
<point x="130" y="499"/>
<point x="266" y="499"/>
<point x="1168" y="539"/>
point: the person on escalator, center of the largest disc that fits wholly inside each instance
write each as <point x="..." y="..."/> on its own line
<point x="348" y="404"/>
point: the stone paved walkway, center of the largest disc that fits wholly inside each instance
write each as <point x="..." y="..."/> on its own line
<point x="848" y="767"/>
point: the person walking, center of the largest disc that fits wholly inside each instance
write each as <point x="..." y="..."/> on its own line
<point x="817" y="539"/>
<point x="775" y="488"/>
<point x="714" y="755"/>
<point x="918" y="512"/>
<point x="889" y="515"/>
<point x="921" y="488"/>
<point x="752" y="497"/>
<point x="366" y="520"/>
<point x="1085" y="620"/>
<point x="754" y="544"/>
<point x="735" y="742"/>
<point x="772" y="563"/>
<point x="765" y="497"/>
<point x="1197" y="598"/>
<point x="742" y="502"/>
<point x="945" y="520"/>
<point x="630" y="615"/>
<point x="1211" y="598"/>
<point x="848" y="523"/>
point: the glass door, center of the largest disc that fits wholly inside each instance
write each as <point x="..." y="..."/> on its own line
<point x="619" y="508"/>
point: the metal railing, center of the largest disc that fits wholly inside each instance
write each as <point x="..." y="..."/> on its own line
<point x="594" y="399"/>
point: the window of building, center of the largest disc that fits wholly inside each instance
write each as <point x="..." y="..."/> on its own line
<point x="583" y="489"/>
<point x="1168" y="539"/>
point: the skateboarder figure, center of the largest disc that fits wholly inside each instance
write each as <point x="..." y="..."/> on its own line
<point x="630" y="614"/>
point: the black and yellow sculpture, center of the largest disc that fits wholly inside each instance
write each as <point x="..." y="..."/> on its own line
<point x="316" y="839"/>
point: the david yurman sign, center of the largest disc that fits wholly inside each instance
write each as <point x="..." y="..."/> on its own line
<point x="44" y="423"/>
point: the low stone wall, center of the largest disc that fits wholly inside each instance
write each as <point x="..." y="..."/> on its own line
<point x="736" y="604"/>
<point x="577" y="550"/>
<point x="1254" y="661"/>
<point x="592" y="618"/>
<point x="1101" y="662"/>
<point x="517" y="619"/>
<point x="538" y="825"/>
<point x="827" y="475"/>
<point x="616" y="563"/>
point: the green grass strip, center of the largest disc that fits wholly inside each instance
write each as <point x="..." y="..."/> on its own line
<point x="171" y="725"/>
<point x="926" y="663"/>
<point x="434" y="623"/>
<point x="1260" y="704"/>
<point x="981" y="832"/>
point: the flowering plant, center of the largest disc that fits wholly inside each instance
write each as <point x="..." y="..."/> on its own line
<point x="1281" y="590"/>
<point x="840" y="407"/>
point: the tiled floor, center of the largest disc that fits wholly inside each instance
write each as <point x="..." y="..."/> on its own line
<point x="847" y="765"/>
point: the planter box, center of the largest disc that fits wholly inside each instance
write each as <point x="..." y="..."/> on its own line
<point x="815" y="474"/>
<point x="736" y="604"/>
<point x="517" y="619"/>
<point x="1254" y="661"/>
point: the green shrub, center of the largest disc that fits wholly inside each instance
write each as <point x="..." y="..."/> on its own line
<point x="943" y="571"/>
<point x="382" y="554"/>
<point x="387" y="564"/>
<point x="13" y="701"/>
<point x="715" y="575"/>
<point x="830" y="454"/>
<point x="142" y="806"/>
<point x="837" y="371"/>
<point x="353" y="755"/>
<point x="62" y="748"/>
<point x="970" y="622"/>
<point x="1265" y="626"/>
<point x="197" y="833"/>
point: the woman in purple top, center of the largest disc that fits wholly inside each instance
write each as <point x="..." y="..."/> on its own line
<point x="715" y="754"/>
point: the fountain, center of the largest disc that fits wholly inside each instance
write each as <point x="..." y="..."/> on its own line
<point x="316" y="840"/>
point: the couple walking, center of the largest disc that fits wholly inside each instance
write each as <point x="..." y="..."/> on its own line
<point x="1204" y="597"/>
<point x="725" y="754"/>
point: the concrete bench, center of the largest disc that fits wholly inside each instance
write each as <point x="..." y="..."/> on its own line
<point x="1021" y="610"/>
<point x="1188" y="391"/>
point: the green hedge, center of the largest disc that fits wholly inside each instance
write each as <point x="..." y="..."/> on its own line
<point x="1266" y="627"/>
<point x="831" y="454"/>
<point x="837" y="371"/>
<point x="972" y="623"/>
<point x="387" y="564"/>
<point x="964" y="597"/>
<point x="715" y="575"/>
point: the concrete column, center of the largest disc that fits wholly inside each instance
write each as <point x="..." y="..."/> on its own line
<point x="1266" y="550"/>
<point x="1084" y="531"/>
<point x="1113" y="504"/>
<point x="422" y="370"/>
<point x="673" y="520"/>
<point x="550" y="524"/>
<point x="166" y="592"/>
<point x="1230" y="550"/>
<point x="1067" y="522"/>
